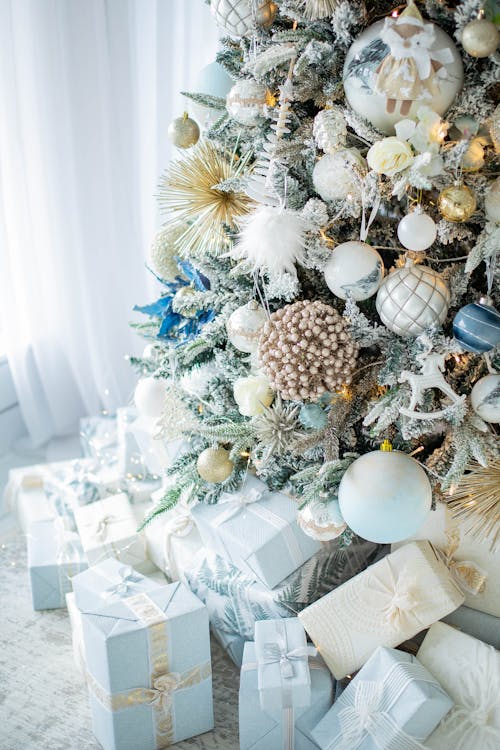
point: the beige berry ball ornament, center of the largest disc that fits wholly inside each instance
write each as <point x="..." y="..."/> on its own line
<point x="183" y="132"/>
<point x="306" y="350"/>
<point x="214" y="465"/>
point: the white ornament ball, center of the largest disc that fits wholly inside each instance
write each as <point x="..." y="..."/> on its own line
<point x="244" y="327"/>
<point x="485" y="398"/>
<point x="213" y="80"/>
<point x="385" y="496"/>
<point x="411" y="299"/>
<point x="336" y="176"/>
<point x="252" y="394"/>
<point x="354" y="268"/>
<point x="321" y="520"/>
<point x="246" y="102"/>
<point x="417" y="231"/>
<point x="492" y="202"/>
<point x="384" y="83"/>
<point x="149" y="397"/>
<point x="149" y="352"/>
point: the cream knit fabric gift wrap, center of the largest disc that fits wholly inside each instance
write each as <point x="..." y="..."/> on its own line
<point x="469" y="671"/>
<point x="384" y="605"/>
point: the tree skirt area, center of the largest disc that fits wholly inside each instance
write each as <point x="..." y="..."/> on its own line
<point x="43" y="701"/>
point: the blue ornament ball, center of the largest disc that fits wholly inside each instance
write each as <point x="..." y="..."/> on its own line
<point x="312" y="416"/>
<point x="477" y="327"/>
<point x="385" y="496"/>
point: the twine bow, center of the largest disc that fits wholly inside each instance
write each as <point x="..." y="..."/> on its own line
<point x="365" y="716"/>
<point x="128" y="579"/>
<point x="277" y="653"/>
<point x="469" y="576"/>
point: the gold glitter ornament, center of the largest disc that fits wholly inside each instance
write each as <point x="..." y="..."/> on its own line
<point x="456" y="203"/>
<point x="265" y="14"/>
<point x="183" y="131"/>
<point x="214" y="465"/>
<point x="480" y="38"/>
<point x="306" y="350"/>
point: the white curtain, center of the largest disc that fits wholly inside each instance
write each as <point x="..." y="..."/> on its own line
<point x="87" y="90"/>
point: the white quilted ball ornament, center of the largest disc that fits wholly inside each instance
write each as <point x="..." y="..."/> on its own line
<point x="337" y="176"/>
<point x="244" y="326"/>
<point x="411" y="299"/>
<point x="246" y="102"/>
<point x="321" y="520"/>
<point x="240" y="17"/>
<point x="385" y="496"/>
<point x="417" y="231"/>
<point x="485" y="398"/>
<point x="149" y="397"/>
<point x="355" y="269"/>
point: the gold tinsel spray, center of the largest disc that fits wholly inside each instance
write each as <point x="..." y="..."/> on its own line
<point x="476" y="502"/>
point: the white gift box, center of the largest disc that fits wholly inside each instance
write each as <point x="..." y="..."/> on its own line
<point x="108" y="529"/>
<point x="75" y="619"/>
<point x="158" y="453"/>
<point x="388" y="603"/>
<point x="474" y="566"/>
<point x="469" y="671"/>
<point x="172" y="540"/>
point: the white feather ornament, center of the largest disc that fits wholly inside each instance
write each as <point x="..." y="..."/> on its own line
<point x="271" y="240"/>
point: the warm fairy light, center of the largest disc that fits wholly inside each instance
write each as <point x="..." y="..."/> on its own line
<point x="200" y="408"/>
<point x="244" y="454"/>
<point x="345" y="392"/>
<point x="438" y="132"/>
<point x="394" y="14"/>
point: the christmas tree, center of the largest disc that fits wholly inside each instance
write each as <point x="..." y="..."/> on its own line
<point x="328" y="268"/>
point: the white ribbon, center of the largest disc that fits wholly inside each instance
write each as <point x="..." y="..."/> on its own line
<point x="179" y="526"/>
<point x="365" y="716"/>
<point x="237" y="502"/>
<point x="276" y="653"/>
<point x="365" y="225"/>
<point x="128" y="578"/>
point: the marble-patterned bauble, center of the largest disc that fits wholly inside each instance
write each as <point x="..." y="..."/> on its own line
<point x="477" y="326"/>
<point x="339" y="175"/>
<point x="485" y="398"/>
<point x="183" y="132"/>
<point x="399" y="64"/>
<point x="214" y="465"/>
<point x="244" y="326"/>
<point x="246" y="101"/>
<point x="321" y="520"/>
<point x="355" y="269"/>
<point x="411" y="299"/>
<point x="149" y="397"/>
<point x="480" y="38"/>
<point x="385" y="496"/>
<point x="492" y="202"/>
<point x="417" y="231"/>
<point x="252" y="394"/>
<point x="240" y="17"/>
<point x="456" y="203"/>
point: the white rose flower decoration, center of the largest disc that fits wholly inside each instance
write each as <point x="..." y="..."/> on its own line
<point x="390" y="156"/>
<point x="252" y="394"/>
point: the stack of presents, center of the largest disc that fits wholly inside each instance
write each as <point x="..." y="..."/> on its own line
<point x="341" y="646"/>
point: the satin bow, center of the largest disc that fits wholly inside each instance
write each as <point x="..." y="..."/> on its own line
<point x="465" y="573"/>
<point x="274" y="653"/>
<point x="238" y="501"/>
<point x="101" y="528"/>
<point x="396" y="593"/>
<point x="128" y="579"/>
<point x="365" y="717"/>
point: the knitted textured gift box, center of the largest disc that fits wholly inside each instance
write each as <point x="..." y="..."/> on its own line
<point x="469" y="671"/>
<point x="172" y="539"/>
<point x="385" y="605"/>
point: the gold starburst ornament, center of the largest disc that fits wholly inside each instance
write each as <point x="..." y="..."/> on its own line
<point x="198" y="189"/>
<point x="476" y="502"/>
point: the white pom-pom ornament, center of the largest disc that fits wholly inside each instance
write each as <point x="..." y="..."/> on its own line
<point x="271" y="240"/>
<point x="355" y="269"/>
<point x="244" y="326"/>
<point x="385" y="496"/>
<point x="417" y="231"/>
<point x="485" y="398"/>
<point x="149" y="397"/>
<point x="337" y="176"/>
<point x="246" y="101"/>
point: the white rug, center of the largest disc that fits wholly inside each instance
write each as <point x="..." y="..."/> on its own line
<point x="43" y="702"/>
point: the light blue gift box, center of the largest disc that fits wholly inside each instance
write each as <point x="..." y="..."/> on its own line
<point x="393" y="702"/>
<point x="149" y="672"/>
<point x="232" y="643"/>
<point x="55" y="555"/>
<point x="283" y="728"/>
<point x="283" y="674"/>
<point x="257" y="530"/>
<point x="109" y="580"/>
